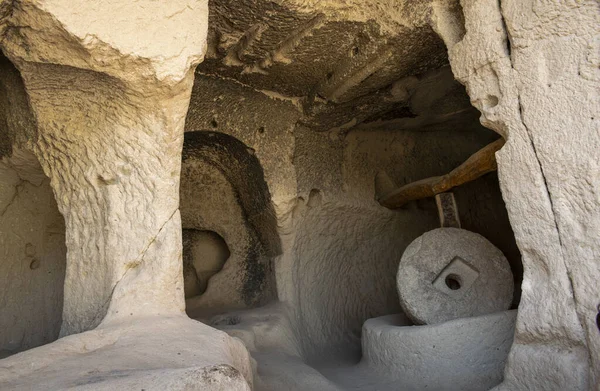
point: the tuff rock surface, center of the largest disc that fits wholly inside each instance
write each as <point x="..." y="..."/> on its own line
<point x="264" y="123"/>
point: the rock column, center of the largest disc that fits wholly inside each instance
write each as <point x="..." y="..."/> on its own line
<point x="109" y="86"/>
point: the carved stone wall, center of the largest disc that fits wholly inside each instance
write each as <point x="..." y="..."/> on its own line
<point x="267" y="124"/>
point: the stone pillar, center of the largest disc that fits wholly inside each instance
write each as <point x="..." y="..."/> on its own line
<point x="532" y="69"/>
<point x="109" y="86"/>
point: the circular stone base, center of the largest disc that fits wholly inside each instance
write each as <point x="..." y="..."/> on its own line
<point x="451" y="273"/>
<point x="463" y="354"/>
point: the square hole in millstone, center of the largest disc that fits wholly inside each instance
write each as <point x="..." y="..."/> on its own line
<point x="456" y="278"/>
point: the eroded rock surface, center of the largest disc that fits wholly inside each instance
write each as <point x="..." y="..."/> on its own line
<point x="531" y="68"/>
<point x="109" y="114"/>
<point x="166" y="353"/>
<point x="32" y="243"/>
<point x="108" y="87"/>
<point x="295" y="109"/>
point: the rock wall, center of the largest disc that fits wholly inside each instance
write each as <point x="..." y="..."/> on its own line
<point x="32" y="231"/>
<point x="110" y="113"/>
<point x="102" y="97"/>
<point x="32" y="257"/>
<point x="346" y="247"/>
<point x="532" y="69"/>
<point x="108" y="87"/>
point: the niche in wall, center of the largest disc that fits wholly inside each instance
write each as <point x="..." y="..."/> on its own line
<point x="32" y="256"/>
<point x="204" y="255"/>
<point x="227" y="217"/>
<point x="32" y="230"/>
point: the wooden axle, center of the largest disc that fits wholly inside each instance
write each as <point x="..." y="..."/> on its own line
<point x="478" y="164"/>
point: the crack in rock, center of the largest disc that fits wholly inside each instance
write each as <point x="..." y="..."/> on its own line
<point x="104" y="308"/>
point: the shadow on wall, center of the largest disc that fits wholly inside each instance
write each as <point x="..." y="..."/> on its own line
<point x="32" y="230"/>
<point x="226" y="206"/>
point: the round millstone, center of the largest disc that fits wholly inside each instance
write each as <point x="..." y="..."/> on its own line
<point x="451" y="273"/>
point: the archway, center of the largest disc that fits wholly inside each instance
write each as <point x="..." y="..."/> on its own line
<point x="223" y="191"/>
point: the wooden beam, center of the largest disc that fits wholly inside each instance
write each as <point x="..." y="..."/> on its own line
<point x="478" y="164"/>
<point x="447" y="210"/>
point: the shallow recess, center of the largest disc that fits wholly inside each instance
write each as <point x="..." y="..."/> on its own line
<point x="453" y="281"/>
<point x="32" y="256"/>
<point x="32" y="259"/>
<point x="204" y="254"/>
<point x="32" y="230"/>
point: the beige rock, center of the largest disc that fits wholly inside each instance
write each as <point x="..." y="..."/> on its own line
<point x="109" y="112"/>
<point x="109" y="86"/>
<point x="309" y="100"/>
<point x="207" y="252"/>
<point x="531" y="68"/>
<point x="462" y="354"/>
<point x="32" y="254"/>
<point x="166" y="353"/>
